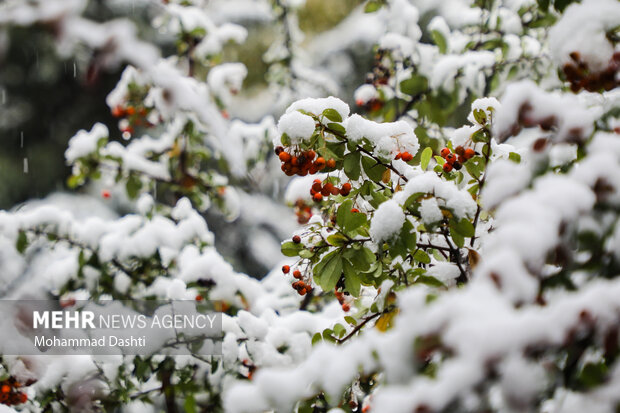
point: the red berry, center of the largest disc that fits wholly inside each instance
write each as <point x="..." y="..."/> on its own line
<point x="317" y="197"/>
<point x="296" y="239"/>
<point x="297" y="274"/>
<point x="346" y="307"/>
<point x="331" y="163"/>
<point x="310" y="155"/>
<point x="469" y="153"/>
<point x="199" y="297"/>
<point x="445" y="152"/>
<point x="285" y="156"/>
<point x="406" y="156"/>
<point x="346" y="189"/>
<point x="459" y="150"/>
<point x="118" y="111"/>
<point x="286" y="269"/>
<point x="398" y="156"/>
<point x="5" y="388"/>
<point x="355" y="210"/>
<point x="105" y="194"/>
<point x="130" y="110"/>
<point x="320" y="163"/>
<point x="447" y="167"/>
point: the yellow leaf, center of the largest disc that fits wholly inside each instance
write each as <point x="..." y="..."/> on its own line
<point x="385" y="321"/>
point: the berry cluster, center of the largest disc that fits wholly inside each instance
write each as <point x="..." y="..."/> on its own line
<point x="405" y="156"/>
<point x="457" y="159"/>
<point x="303" y="211"/>
<point x="302" y="286"/>
<point x="580" y="77"/>
<point x="342" y="300"/>
<point x="302" y="163"/>
<point x="9" y="394"/>
<point x="320" y="190"/>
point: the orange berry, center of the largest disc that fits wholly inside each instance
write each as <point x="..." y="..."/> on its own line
<point x="398" y="156"/>
<point x="118" y="111"/>
<point x="334" y="190"/>
<point x="445" y="152"/>
<point x="297" y="274"/>
<point x="450" y="158"/>
<point x="355" y="210"/>
<point x="469" y="153"/>
<point x="346" y="189"/>
<point x="5" y="388"/>
<point x="22" y="398"/>
<point x="406" y="156"/>
<point x="331" y="163"/>
<point x="295" y="161"/>
<point x="447" y="167"/>
<point x="346" y="307"/>
<point x="320" y="163"/>
<point x="130" y="110"/>
<point x="286" y="269"/>
<point x="199" y="297"/>
<point x="310" y="155"/>
<point x="318" y="197"/>
<point x="285" y="156"/>
<point x="461" y="159"/>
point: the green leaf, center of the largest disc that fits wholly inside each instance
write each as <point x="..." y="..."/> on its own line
<point x="422" y="257"/>
<point x="285" y="139"/>
<point x="373" y="6"/>
<point x="22" y="242"/>
<point x="316" y="338"/>
<point x="458" y="239"/>
<point x="425" y="158"/>
<point x="440" y="41"/>
<point x="373" y="169"/>
<point x="291" y="249"/>
<point x="133" y="186"/>
<point x="332" y="114"/>
<point x="329" y="270"/>
<point x="336" y="127"/>
<point x="352" y="321"/>
<point x="480" y="116"/>
<point x="305" y="254"/>
<point x="414" y="85"/>
<point x="593" y="374"/>
<point x="190" y="404"/>
<point x="352" y="165"/>
<point x="481" y="135"/>
<point x="463" y="227"/>
<point x="515" y="157"/>
<point x="343" y="210"/>
<point x="337" y="239"/>
<point x="352" y="281"/>
<point x="430" y="281"/>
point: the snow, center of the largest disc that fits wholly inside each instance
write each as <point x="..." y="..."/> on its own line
<point x="392" y="137"/>
<point x="387" y="221"/>
<point x="430" y="212"/>
<point x="84" y="143"/>
<point x="317" y="106"/>
<point x="365" y="94"/>
<point x="297" y="126"/>
<point x="526" y="100"/>
<point x="583" y="28"/>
